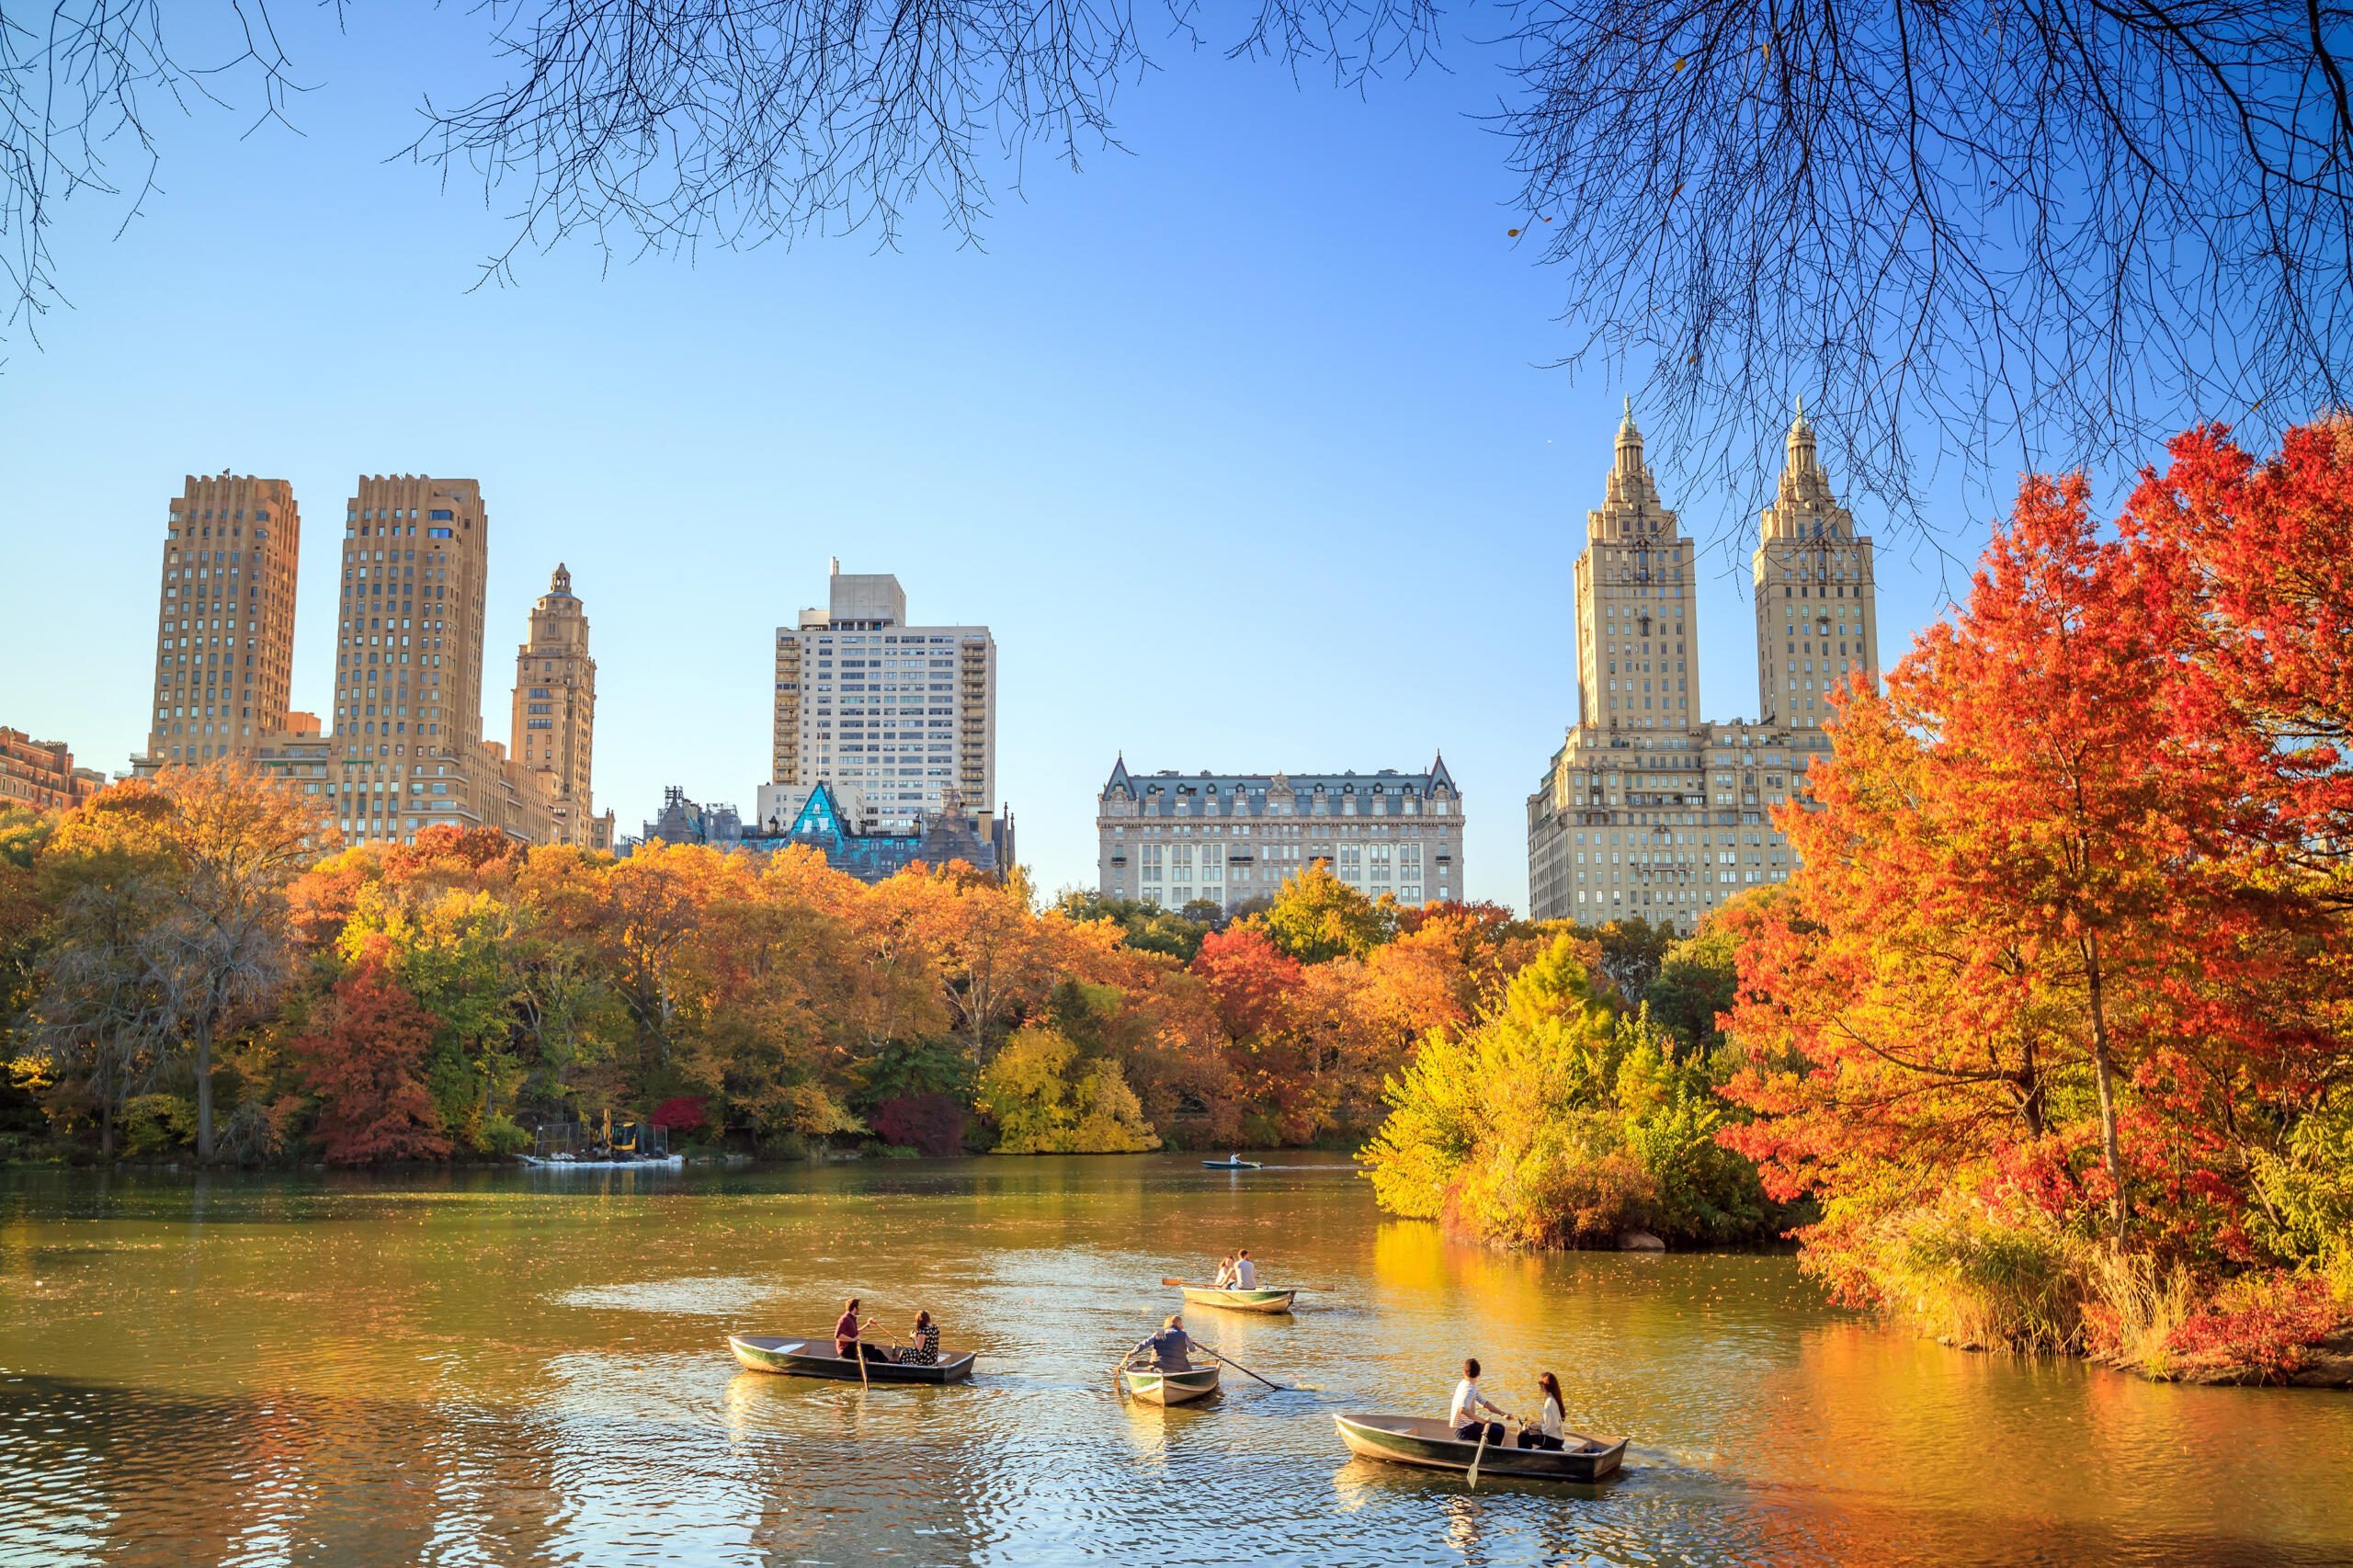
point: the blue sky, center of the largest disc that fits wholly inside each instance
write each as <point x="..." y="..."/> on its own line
<point x="1242" y="440"/>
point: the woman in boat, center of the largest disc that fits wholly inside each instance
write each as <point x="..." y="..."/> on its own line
<point x="1546" y="1433"/>
<point x="1171" y="1347"/>
<point x="846" y="1343"/>
<point x="1224" y="1273"/>
<point x="1465" y="1413"/>
<point x="923" y="1349"/>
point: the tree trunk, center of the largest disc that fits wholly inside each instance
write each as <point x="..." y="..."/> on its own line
<point x="2104" y="1074"/>
<point x="106" y="1127"/>
<point x="204" y="1090"/>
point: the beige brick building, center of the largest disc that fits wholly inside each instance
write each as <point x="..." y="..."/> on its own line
<point x="224" y="619"/>
<point x="40" y="775"/>
<point x="1647" y="810"/>
<point x="899" y="720"/>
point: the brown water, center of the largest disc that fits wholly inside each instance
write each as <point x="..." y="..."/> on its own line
<point x="527" y="1369"/>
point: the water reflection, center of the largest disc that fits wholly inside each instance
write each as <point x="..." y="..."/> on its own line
<point x="479" y="1367"/>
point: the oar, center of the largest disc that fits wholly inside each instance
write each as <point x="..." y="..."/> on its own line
<point x="1240" y="1368"/>
<point x="1485" y="1427"/>
<point x="1195" y="1285"/>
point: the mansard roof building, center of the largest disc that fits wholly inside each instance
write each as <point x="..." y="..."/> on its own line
<point x="1175" y="838"/>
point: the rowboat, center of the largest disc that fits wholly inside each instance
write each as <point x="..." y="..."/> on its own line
<point x="1432" y="1445"/>
<point x="813" y="1358"/>
<point x="1239" y="1301"/>
<point x="1232" y="1165"/>
<point x="1155" y="1387"/>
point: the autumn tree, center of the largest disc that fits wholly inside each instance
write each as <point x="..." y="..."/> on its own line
<point x="367" y="1067"/>
<point x="223" y="850"/>
<point x="1317" y="916"/>
<point x="2037" y="947"/>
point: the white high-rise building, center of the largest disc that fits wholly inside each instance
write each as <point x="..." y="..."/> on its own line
<point x="900" y="721"/>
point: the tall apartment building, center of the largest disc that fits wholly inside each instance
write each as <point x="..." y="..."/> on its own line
<point x="225" y="620"/>
<point x="899" y="720"/>
<point x="1647" y="810"/>
<point x="405" y="748"/>
<point x="40" y="775"/>
<point x="1174" y="839"/>
<point x="553" y="729"/>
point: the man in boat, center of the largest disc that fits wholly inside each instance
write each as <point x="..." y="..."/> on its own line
<point x="846" y="1343"/>
<point x="1245" y="1273"/>
<point x="1171" y="1347"/>
<point x="1473" y="1415"/>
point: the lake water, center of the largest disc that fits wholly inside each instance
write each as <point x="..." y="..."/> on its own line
<point x="531" y="1369"/>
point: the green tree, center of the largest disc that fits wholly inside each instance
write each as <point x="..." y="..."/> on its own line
<point x="1317" y="917"/>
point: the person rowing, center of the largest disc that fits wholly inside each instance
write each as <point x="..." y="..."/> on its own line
<point x="847" y="1344"/>
<point x="1245" y="1273"/>
<point x="1171" y="1347"/>
<point x="1465" y="1413"/>
<point x="1224" y="1273"/>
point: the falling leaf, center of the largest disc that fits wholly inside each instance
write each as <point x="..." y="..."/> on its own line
<point x="1513" y="232"/>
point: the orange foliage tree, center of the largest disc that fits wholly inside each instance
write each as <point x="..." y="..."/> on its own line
<point x="2047" y="951"/>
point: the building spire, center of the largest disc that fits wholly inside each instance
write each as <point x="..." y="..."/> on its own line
<point x="1629" y="442"/>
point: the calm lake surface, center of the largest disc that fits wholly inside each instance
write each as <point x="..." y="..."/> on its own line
<point x="528" y="1369"/>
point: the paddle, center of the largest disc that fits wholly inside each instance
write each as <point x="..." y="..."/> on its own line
<point x="1191" y="1284"/>
<point x="1485" y="1427"/>
<point x="1240" y="1368"/>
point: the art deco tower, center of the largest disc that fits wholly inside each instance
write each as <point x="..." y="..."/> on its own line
<point x="1817" y="607"/>
<point x="409" y="642"/>
<point x="555" y="706"/>
<point x="224" y="635"/>
<point x="1638" y="665"/>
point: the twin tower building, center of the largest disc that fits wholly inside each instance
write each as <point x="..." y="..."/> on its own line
<point x="403" y="749"/>
<point x="1648" y="809"/>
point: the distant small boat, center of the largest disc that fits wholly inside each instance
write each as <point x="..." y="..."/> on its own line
<point x="1239" y="1301"/>
<point x="629" y="1162"/>
<point x="813" y="1358"/>
<point x="1232" y="1164"/>
<point x="1155" y="1387"/>
<point x="1432" y="1445"/>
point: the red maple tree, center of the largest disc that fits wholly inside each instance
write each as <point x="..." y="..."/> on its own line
<point x="366" y="1070"/>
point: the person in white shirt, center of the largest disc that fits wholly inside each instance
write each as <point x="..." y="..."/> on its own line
<point x="1224" y="1272"/>
<point x="1547" y="1432"/>
<point x="1464" y="1415"/>
<point x="1245" y="1273"/>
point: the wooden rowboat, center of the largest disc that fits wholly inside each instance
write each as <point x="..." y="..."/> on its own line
<point x="1432" y="1445"/>
<point x="1154" y="1387"/>
<point x="813" y="1357"/>
<point x="1239" y="1301"/>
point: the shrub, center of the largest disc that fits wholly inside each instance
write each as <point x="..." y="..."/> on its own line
<point x="157" y="1124"/>
<point x="2258" y="1327"/>
<point x="929" y="1124"/>
<point x="681" y="1113"/>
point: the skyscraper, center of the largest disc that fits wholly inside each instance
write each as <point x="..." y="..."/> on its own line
<point x="1817" y="595"/>
<point x="901" y="721"/>
<point x="555" y="707"/>
<point x="1648" y="810"/>
<point x="407" y="751"/>
<point x="224" y="632"/>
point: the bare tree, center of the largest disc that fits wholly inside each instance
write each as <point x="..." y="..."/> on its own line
<point x="2006" y="234"/>
<point x="98" y="1013"/>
